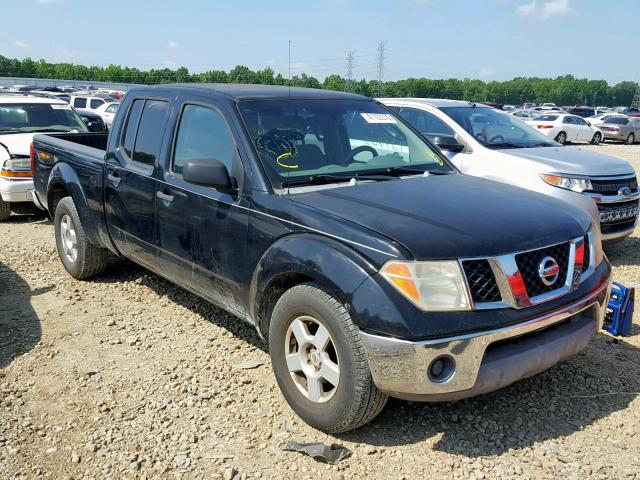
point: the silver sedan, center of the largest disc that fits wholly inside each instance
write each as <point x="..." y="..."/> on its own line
<point x="621" y="128"/>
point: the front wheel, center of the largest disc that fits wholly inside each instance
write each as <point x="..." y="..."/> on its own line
<point x="631" y="139"/>
<point x="561" y="138"/>
<point x="597" y="138"/>
<point x="80" y="257"/>
<point x="5" y="210"/>
<point x="319" y="361"/>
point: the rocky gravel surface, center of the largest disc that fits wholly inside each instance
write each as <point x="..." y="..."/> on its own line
<point x="127" y="376"/>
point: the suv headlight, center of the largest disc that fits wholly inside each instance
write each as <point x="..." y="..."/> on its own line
<point x="434" y="286"/>
<point x="570" y="183"/>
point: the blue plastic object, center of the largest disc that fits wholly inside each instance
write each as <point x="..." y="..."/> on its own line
<point x="619" y="314"/>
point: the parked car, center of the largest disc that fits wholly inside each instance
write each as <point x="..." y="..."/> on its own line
<point x="567" y="128"/>
<point x="632" y="112"/>
<point x="107" y="112"/>
<point x="602" y="118"/>
<point x="508" y="108"/>
<point x="621" y="128"/>
<point x="21" y="117"/>
<point x="525" y="114"/>
<point x="90" y="102"/>
<point x="549" y="106"/>
<point x="369" y="263"/>
<point x="527" y="105"/>
<point x="92" y="120"/>
<point x="509" y="151"/>
<point x="581" y="111"/>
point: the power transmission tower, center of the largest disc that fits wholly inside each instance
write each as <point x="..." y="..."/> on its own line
<point x="380" y="56"/>
<point x="636" y="98"/>
<point x="350" y="55"/>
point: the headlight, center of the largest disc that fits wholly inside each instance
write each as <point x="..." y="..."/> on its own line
<point x="433" y="286"/>
<point x="576" y="184"/>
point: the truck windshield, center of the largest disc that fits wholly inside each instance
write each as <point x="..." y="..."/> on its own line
<point x="496" y="129"/>
<point x="304" y="140"/>
<point x="34" y="117"/>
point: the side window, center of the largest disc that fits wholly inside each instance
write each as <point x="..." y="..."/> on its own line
<point x="149" y="137"/>
<point x="203" y="134"/>
<point x="95" y="103"/>
<point x="129" y="136"/>
<point x="425" y="122"/>
<point x="568" y="120"/>
<point x="579" y="121"/>
<point x="80" y="102"/>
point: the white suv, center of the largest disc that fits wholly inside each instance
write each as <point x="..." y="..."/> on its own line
<point x="21" y="117"/>
<point x="89" y="102"/>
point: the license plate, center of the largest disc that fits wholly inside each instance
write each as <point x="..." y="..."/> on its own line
<point x="611" y="216"/>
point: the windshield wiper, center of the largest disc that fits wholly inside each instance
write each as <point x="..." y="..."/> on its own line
<point x="541" y="144"/>
<point x="403" y="169"/>
<point x="330" y="178"/>
<point x="504" y="145"/>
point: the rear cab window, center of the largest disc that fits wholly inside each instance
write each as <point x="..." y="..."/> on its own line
<point x="141" y="140"/>
<point x="80" y="102"/>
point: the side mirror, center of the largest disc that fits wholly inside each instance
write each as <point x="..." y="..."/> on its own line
<point x="588" y="122"/>
<point x="207" y="172"/>
<point x="446" y="142"/>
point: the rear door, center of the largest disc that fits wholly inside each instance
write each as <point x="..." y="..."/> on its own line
<point x="569" y="126"/>
<point x="130" y="186"/>
<point x="584" y="131"/>
<point x="202" y="231"/>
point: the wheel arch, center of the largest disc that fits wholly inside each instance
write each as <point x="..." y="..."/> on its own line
<point x="302" y="258"/>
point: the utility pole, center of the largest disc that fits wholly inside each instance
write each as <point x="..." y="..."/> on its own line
<point x="350" y="55"/>
<point x="636" y="98"/>
<point x="289" y="60"/>
<point x="380" y="56"/>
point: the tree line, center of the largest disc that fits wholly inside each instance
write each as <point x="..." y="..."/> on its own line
<point x="563" y="90"/>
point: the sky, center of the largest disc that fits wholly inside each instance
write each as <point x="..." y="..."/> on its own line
<point x="486" y="39"/>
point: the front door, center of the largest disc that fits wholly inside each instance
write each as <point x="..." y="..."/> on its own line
<point x="130" y="186"/>
<point x="202" y="231"/>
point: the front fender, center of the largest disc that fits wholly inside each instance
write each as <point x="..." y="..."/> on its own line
<point x="336" y="266"/>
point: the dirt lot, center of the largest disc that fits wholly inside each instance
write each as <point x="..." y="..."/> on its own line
<point x="127" y="376"/>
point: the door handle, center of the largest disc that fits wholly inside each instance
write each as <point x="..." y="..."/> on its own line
<point x="165" y="197"/>
<point x="114" y="178"/>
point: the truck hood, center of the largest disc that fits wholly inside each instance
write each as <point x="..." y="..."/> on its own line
<point x="452" y="216"/>
<point x="573" y="160"/>
<point x="18" y="143"/>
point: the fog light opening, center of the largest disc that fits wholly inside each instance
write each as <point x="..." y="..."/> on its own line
<point x="441" y="369"/>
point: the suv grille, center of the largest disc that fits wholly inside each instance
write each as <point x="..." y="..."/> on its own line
<point x="482" y="281"/>
<point x="611" y="187"/>
<point x="529" y="262"/>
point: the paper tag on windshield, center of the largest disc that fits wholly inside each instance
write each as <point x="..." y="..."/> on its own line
<point x="55" y="106"/>
<point x="378" y="118"/>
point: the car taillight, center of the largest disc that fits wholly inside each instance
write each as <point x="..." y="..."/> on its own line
<point x="16" y="168"/>
<point x="545" y="126"/>
<point x="32" y="155"/>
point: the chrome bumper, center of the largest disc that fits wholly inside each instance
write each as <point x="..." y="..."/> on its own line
<point x="400" y="367"/>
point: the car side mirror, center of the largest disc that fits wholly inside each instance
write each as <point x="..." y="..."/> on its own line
<point x="588" y="123"/>
<point x="207" y="172"/>
<point x="446" y="142"/>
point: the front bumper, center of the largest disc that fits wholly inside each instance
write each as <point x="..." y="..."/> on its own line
<point x="15" y="191"/>
<point x="489" y="360"/>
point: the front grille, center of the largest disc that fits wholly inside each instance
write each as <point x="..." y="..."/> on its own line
<point x="529" y="262"/>
<point x="611" y="187"/>
<point x="613" y="213"/>
<point x="482" y="281"/>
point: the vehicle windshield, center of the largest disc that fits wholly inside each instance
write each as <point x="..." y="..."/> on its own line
<point x="618" y="120"/>
<point x="300" y="141"/>
<point x="33" y="117"/>
<point x="496" y="129"/>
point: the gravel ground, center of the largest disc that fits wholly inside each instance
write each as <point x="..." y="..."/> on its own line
<point x="127" y="376"/>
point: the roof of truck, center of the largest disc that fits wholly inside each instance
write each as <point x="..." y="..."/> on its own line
<point x="7" y="97"/>
<point x="246" y="92"/>
<point x="436" y="102"/>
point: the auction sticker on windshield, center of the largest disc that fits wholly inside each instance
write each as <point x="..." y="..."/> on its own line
<point x="378" y="118"/>
<point x="55" y="106"/>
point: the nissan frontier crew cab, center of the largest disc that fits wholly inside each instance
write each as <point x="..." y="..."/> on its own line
<point x="371" y="266"/>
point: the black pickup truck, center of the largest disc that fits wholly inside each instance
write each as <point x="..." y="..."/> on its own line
<point x="369" y="263"/>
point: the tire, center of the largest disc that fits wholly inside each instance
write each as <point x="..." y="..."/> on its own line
<point x="80" y="257"/>
<point x="597" y="138"/>
<point x="355" y="400"/>
<point x="631" y="139"/>
<point x="5" y="210"/>
<point x="561" y="138"/>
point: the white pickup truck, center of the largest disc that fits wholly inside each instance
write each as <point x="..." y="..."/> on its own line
<point x="21" y="117"/>
<point x="485" y="142"/>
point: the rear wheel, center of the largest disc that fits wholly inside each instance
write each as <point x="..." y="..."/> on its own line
<point x="5" y="210"/>
<point x="319" y="361"/>
<point x="80" y="257"/>
<point x="597" y="138"/>
<point x="631" y="139"/>
<point x="561" y="138"/>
